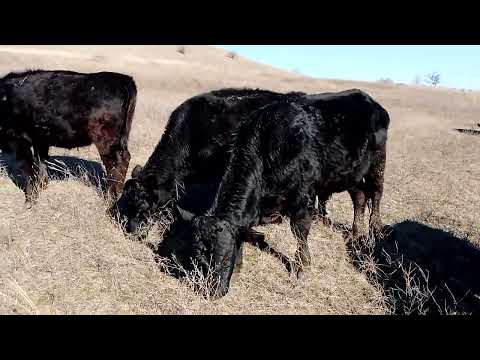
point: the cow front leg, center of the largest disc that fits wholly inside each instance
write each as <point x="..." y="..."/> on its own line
<point x="258" y="239"/>
<point x="41" y="156"/>
<point x="374" y="184"/>
<point x="25" y="163"/>
<point x="116" y="166"/>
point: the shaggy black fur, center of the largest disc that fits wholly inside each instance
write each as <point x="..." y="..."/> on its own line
<point x="194" y="149"/>
<point x="39" y="109"/>
<point x="283" y="155"/>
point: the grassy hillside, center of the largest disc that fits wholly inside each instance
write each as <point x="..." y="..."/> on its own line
<point x="65" y="257"/>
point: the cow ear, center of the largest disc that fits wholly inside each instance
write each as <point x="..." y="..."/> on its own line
<point x="136" y="171"/>
<point x="185" y="214"/>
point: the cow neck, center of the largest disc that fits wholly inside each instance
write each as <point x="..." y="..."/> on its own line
<point x="238" y="196"/>
<point x="167" y="164"/>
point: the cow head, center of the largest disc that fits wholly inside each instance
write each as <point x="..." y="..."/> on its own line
<point x="209" y="242"/>
<point x="141" y="198"/>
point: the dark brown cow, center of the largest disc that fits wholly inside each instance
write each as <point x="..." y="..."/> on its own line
<point x="39" y="109"/>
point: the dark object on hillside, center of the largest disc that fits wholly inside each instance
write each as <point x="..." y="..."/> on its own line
<point x="39" y="109"/>
<point x="469" y="131"/>
<point x="422" y="270"/>
<point x="284" y="155"/>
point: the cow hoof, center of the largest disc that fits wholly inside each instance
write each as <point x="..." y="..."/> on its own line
<point x="357" y="238"/>
<point x="326" y="221"/>
<point x="235" y="275"/>
<point x="301" y="277"/>
<point x="288" y="266"/>
<point x="29" y="204"/>
<point x="375" y="231"/>
<point x="277" y="220"/>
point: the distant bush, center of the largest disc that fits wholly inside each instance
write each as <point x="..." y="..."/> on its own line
<point x="386" y="81"/>
<point x="181" y="49"/>
<point x="231" y="55"/>
<point x="433" y="78"/>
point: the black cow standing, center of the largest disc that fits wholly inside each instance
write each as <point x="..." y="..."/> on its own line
<point x="39" y="109"/>
<point x="284" y="155"/>
<point x="193" y="152"/>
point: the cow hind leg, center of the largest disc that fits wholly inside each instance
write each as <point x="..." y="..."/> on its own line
<point x="359" y="200"/>
<point x="321" y="213"/>
<point x="116" y="161"/>
<point x="374" y="187"/>
<point x="239" y="259"/>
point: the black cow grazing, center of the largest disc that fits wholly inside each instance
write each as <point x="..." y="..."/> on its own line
<point x="193" y="150"/>
<point x="39" y="109"/>
<point x="283" y="155"/>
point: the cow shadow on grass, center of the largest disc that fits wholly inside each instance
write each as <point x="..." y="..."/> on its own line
<point x="60" y="168"/>
<point x="421" y="270"/>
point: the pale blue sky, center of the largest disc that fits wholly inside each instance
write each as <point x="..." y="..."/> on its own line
<point x="458" y="65"/>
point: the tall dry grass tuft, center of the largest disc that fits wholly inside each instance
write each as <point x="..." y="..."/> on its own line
<point x="202" y="283"/>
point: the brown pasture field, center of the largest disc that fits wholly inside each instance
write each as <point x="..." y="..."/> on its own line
<point x="64" y="256"/>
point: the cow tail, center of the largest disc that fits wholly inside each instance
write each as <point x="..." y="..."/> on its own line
<point x="381" y="121"/>
<point x="129" y="111"/>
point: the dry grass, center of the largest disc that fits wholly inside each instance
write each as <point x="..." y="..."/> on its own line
<point x="65" y="257"/>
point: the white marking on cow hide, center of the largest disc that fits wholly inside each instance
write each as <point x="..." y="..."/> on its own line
<point x="4" y="98"/>
<point x="20" y="83"/>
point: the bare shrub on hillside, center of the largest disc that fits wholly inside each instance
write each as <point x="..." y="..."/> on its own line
<point x="231" y="55"/>
<point x="181" y="49"/>
<point x="433" y="78"/>
<point x="386" y="81"/>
